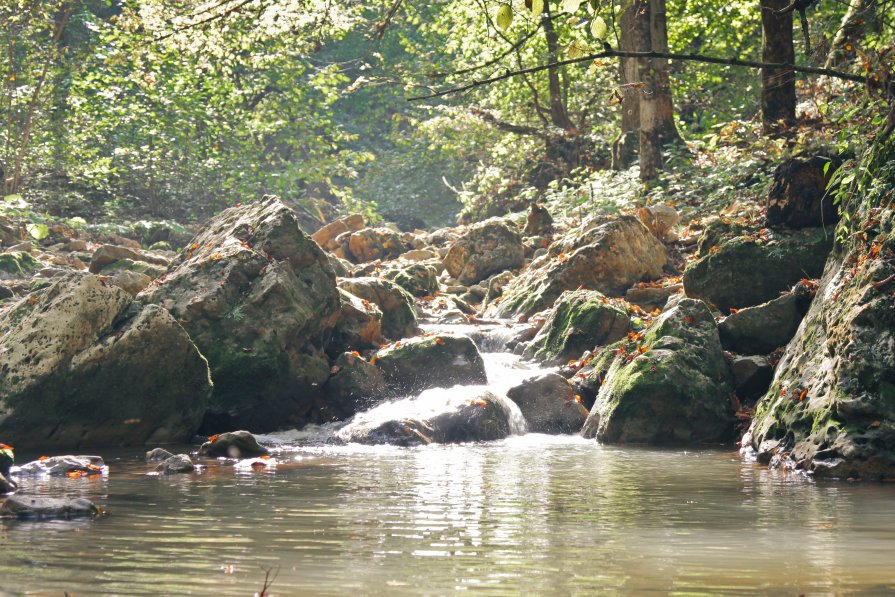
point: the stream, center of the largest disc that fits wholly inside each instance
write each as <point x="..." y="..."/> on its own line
<point x="532" y="514"/>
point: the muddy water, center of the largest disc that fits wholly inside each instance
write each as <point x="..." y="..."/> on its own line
<point x="529" y="515"/>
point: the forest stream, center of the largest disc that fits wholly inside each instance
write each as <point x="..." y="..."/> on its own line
<point x="531" y="514"/>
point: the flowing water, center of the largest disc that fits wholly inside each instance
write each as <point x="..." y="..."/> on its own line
<point x="533" y="514"/>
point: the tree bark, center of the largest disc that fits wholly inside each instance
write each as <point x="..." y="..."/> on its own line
<point x="778" y="86"/>
<point x="624" y="148"/>
<point x="559" y="115"/>
<point x="850" y="29"/>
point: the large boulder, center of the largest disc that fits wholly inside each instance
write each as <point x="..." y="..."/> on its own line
<point x="232" y="444"/>
<point x="762" y="328"/>
<point x="549" y="404"/>
<point x="359" y="325"/>
<point x="672" y="386"/>
<point x="395" y="303"/>
<point x="370" y="244"/>
<point x="326" y="236"/>
<point x="436" y="416"/>
<point x="606" y="255"/>
<point x="83" y="364"/>
<point x="63" y="466"/>
<point x="580" y="320"/>
<point x="831" y="406"/>
<point x="259" y="299"/>
<point x="413" y="365"/>
<point x="486" y="248"/>
<point x="419" y="279"/>
<point x="355" y="385"/>
<point x="754" y="268"/>
<point x="798" y="197"/>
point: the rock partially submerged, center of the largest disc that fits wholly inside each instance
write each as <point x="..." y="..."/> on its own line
<point x="29" y="507"/>
<point x="549" y="404"/>
<point x="83" y="365"/>
<point x="158" y="455"/>
<point x="233" y="444"/>
<point x="354" y="386"/>
<point x="672" y="386"/>
<point x="175" y="465"/>
<point x="440" y="361"/>
<point x="60" y="466"/>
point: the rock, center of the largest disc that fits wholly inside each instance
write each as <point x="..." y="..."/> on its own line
<point x="661" y="220"/>
<point x="798" y="197"/>
<point x="396" y="304"/>
<point x="413" y="365"/>
<point x="109" y="254"/>
<point x="7" y="485"/>
<point x="580" y="320"/>
<point x="434" y="417"/>
<point x="19" y="263"/>
<point x="831" y="406"/>
<point x="718" y="230"/>
<point x="60" y="466"/>
<point x="417" y="255"/>
<point x="356" y="385"/>
<point x="538" y="222"/>
<point x="23" y="247"/>
<point x="359" y="325"/>
<point x="761" y="329"/>
<point x="674" y="390"/>
<point x="326" y="236"/>
<point x="341" y="267"/>
<point x="178" y="464"/>
<point x="158" y="455"/>
<point x="259" y="299"/>
<point x="752" y="269"/>
<point x="752" y="376"/>
<point x="549" y="404"/>
<point x="417" y="278"/>
<point x="651" y="297"/>
<point x="43" y="508"/>
<point x="605" y="255"/>
<point x="83" y="364"/>
<point x="371" y="244"/>
<point x="131" y="282"/>
<point x="486" y="248"/>
<point x="7" y="458"/>
<point x="233" y="444"/>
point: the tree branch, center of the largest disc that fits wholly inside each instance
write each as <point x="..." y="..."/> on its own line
<point x="503" y="125"/>
<point x="625" y="54"/>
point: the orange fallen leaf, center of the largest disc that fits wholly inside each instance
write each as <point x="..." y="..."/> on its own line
<point x="875" y="424"/>
<point x="439" y="341"/>
<point x="374" y="359"/>
<point x="6" y="447"/>
<point x="803" y="394"/>
<point x="264" y="457"/>
<point x="479" y="402"/>
<point x="214" y="437"/>
<point x="32" y="300"/>
<point x="42" y="458"/>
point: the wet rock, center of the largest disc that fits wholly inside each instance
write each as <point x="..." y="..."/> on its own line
<point x="831" y="406"/>
<point x="28" y="507"/>
<point x="19" y="263"/>
<point x="259" y="299"/>
<point x="396" y="304"/>
<point x="670" y="387"/>
<point x="580" y="320"/>
<point x="418" y="279"/>
<point x="661" y="220"/>
<point x="752" y="269"/>
<point x="538" y="221"/>
<point x="233" y="444"/>
<point x="486" y="248"/>
<point x="798" y="197"/>
<point x="158" y="455"/>
<point x="83" y="364"/>
<point x="549" y="404"/>
<point x="60" y="466"/>
<point x="174" y="465"/>
<point x="752" y="376"/>
<point x="359" y="325"/>
<point x="411" y="366"/>
<point x="433" y="418"/>
<point x="7" y="485"/>
<point x="371" y="244"/>
<point x="356" y="385"/>
<point x="326" y="236"/>
<point x="605" y="255"/>
<point x="761" y="329"/>
<point x="7" y="458"/>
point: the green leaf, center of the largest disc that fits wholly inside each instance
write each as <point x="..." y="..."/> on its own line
<point x="537" y="7"/>
<point x="577" y="49"/>
<point x="571" y="6"/>
<point x="598" y="27"/>
<point x="505" y="16"/>
<point x="38" y="231"/>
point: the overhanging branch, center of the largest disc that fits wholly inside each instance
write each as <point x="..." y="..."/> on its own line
<point x="626" y="54"/>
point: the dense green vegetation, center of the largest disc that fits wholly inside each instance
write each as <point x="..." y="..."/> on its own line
<point x="145" y="108"/>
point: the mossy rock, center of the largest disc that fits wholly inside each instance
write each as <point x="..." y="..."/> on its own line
<point x="19" y="263"/>
<point x="671" y="387"/>
<point x="411" y="366"/>
<point x="581" y="320"/>
<point x="418" y="279"/>
<point x="486" y="248"/>
<point x="398" y="314"/>
<point x="753" y="269"/>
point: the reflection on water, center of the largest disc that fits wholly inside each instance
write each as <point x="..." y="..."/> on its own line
<point x="532" y="514"/>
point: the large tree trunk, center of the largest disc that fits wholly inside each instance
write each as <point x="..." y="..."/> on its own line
<point x="624" y="148"/>
<point x="778" y="86"/>
<point x="559" y="115"/>
<point x="657" y="127"/>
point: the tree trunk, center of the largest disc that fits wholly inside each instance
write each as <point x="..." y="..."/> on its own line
<point x="559" y="115"/>
<point x="850" y="30"/>
<point x="624" y="148"/>
<point x="657" y="127"/>
<point x="778" y="86"/>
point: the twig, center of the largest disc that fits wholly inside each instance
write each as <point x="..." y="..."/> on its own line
<point x="882" y="283"/>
